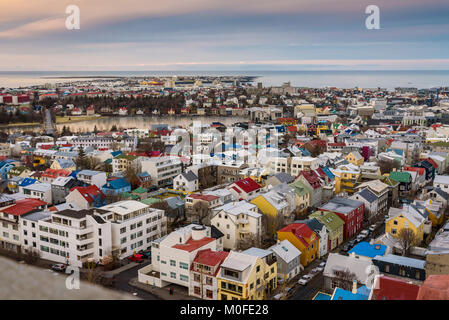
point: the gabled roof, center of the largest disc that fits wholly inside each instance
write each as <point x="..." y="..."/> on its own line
<point x="89" y="193"/>
<point x="24" y="206"/>
<point x="301" y="231"/>
<point x="341" y="205"/>
<point x="189" y="176"/>
<point x="367" y="195"/>
<point x="387" y="288"/>
<point x="247" y="185"/>
<point x="285" y="250"/>
<point x="329" y="219"/>
<point x="210" y="258"/>
<point x="117" y="184"/>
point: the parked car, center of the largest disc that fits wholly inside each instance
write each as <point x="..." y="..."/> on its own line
<point x="322" y="264"/>
<point x="137" y="257"/>
<point x="304" y="280"/>
<point x="352" y="243"/>
<point x="364" y="233"/>
<point x="146" y="253"/>
<point x="346" y="248"/>
<point x="372" y="227"/>
<point x="60" y="267"/>
<point x="360" y="237"/>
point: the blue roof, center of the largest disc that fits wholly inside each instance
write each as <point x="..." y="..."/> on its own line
<point x="143" y="174"/>
<point x="74" y="173"/>
<point x="328" y="172"/>
<point x="27" y="181"/>
<point x="116" y="153"/>
<point x="117" y="184"/>
<point x="305" y="152"/>
<point x="369" y="250"/>
<point x="403" y="261"/>
<point x="322" y="296"/>
<point x="368" y="195"/>
<point x="340" y="294"/>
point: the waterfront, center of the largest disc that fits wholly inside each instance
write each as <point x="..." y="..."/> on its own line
<point x="342" y="79"/>
<point x="139" y="122"/>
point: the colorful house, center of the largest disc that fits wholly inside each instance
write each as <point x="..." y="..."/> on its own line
<point x="334" y="225"/>
<point x="350" y="211"/>
<point x="303" y="238"/>
<point x="355" y="158"/>
<point x="406" y="217"/>
<point x="247" y="275"/>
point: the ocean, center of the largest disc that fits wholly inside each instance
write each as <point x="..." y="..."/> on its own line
<point x="421" y="79"/>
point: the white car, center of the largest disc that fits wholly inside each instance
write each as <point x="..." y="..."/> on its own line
<point x="322" y="264"/>
<point x="360" y="238"/>
<point x="372" y="227"/>
<point x="303" y="281"/>
<point x="364" y="233"/>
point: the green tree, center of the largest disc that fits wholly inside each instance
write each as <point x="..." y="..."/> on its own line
<point x="82" y="161"/>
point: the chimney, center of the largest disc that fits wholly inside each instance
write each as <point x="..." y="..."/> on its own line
<point x="354" y="286"/>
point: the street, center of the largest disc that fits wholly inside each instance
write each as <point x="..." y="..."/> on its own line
<point x="122" y="283"/>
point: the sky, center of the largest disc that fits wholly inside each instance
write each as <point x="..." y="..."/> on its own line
<point x="141" y="35"/>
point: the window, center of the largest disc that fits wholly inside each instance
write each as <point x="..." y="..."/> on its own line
<point x="196" y="290"/>
<point x="183" y="265"/>
<point x="209" y="281"/>
<point x="123" y="230"/>
<point x="196" y="277"/>
<point x="172" y="275"/>
<point x="209" y="294"/>
<point x="173" y="263"/>
<point x="184" y="278"/>
<point x="258" y="269"/>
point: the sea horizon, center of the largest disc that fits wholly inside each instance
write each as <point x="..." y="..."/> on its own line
<point x="389" y="79"/>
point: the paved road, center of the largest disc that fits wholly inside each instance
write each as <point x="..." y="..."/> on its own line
<point x="122" y="283"/>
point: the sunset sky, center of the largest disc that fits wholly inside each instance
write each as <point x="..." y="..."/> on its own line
<point x="224" y="35"/>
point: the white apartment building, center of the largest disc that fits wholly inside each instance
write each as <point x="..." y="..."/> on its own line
<point x="138" y="133"/>
<point x="173" y="254"/>
<point x="237" y="221"/>
<point x="161" y="169"/>
<point x="128" y="143"/>
<point x="135" y="225"/>
<point x="303" y="164"/>
<point x="74" y="237"/>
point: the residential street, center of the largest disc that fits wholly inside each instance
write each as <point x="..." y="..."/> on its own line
<point x="122" y="283"/>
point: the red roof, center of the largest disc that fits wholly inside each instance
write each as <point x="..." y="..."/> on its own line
<point x="89" y="192"/>
<point x="395" y="289"/>
<point x="435" y="287"/>
<point x="312" y="178"/>
<point x="247" y="185"/>
<point x="192" y="245"/>
<point x="420" y="171"/>
<point x="210" y="258"/>
<point x="337" y="144"/>
<point x="301" y="231"/>
<point x="205" y="197"/>
<point x="24" y="206"/>
<point x="292" y="128"/>
<point x="54" y="173"/>
<point x="432" y="162"/>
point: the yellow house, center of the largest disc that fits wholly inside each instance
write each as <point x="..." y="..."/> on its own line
<point x="62" y="164"/>
<point x="38" y="160"/>
<point x="303" y="238"/>
<point x="273" y="205"/>
<point x="355" y="158"/>
<point x="346" y="177"/>
<point x="406" y="217"/>
<point x="247" y="275"/>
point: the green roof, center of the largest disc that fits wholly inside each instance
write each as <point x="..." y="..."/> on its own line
<point x="150" y="201"/>
<point x="140" y="190"/>
<point x="400" y="176"/>
<point x="126" y="156"/>
<point x="300" y="187"/>
<point x="329" y="219"/>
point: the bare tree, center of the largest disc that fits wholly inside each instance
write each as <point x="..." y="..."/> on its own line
<point x="407" y="239"/>
<point x="344" y="279"/>
<point x="388" y="166"/>
<point x="200" y="213"/>
<point x="31" y="255"/>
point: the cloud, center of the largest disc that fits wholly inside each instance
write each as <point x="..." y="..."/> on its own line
<point x="49" y="25"/>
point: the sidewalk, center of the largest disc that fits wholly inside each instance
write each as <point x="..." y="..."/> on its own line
<point x="121" y="269"/>
<point x="162" y="293"/>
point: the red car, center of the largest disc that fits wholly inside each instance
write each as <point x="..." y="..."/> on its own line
<point x="136" y="257"/>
